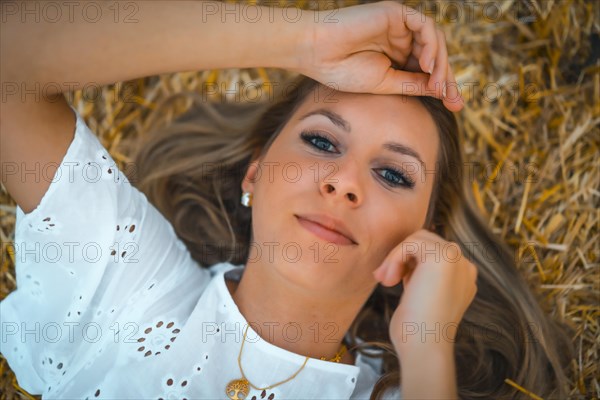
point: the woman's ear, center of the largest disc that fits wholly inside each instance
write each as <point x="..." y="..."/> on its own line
<point x="251" y="177"/>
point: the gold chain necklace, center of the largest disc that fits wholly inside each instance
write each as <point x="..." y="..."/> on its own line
<point x="240" y="386"/>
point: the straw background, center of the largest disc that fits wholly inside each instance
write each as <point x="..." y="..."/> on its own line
<point x="530" y="75"/>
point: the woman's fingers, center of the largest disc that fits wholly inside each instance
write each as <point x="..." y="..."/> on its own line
<point x="453" y="100"/>
<point x="430" y="49"/>
<point x="412" y="64"/>
<point x="405" y="82"/>
<point x="437" y="81"/>
<point x="396" y="268"/>
<point x="442" y="80"/>
<point x="430" y="55"/>
<point x="403" y="259"/>
<point x="390" y="272"/>
<point x="425" y="34"/>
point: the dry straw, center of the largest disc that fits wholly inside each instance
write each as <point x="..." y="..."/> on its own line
<point x="530" y="74"/>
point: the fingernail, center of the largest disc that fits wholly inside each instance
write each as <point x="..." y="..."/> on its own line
<point x="431" y="66"/>
<point x="389" y="275"/>
<point x="379" y="272"/>
<point x="444" y="90"/>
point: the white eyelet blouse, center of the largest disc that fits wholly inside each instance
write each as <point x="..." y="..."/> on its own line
<point x="109" y="303"/>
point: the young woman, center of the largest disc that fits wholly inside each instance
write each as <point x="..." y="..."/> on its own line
<point x="335" y="219"/>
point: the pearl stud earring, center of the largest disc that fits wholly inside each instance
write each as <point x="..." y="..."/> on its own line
<point x="247" y="199"/>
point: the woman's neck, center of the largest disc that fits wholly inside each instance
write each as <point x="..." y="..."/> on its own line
<point x="347" y="358"/>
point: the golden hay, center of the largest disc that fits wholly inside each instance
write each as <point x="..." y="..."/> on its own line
<point x="530" y="75"/>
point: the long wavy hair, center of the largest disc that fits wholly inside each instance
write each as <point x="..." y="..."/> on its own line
<point x="191" y="169"/>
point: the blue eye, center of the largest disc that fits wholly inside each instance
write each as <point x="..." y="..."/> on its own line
<point x="321" y="143"/>
<point x="398" y="178"/>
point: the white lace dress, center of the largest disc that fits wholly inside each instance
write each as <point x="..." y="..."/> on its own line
<point x="109" y="304"/>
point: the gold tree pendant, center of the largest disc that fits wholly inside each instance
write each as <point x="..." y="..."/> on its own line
<point x="237" y="389"/>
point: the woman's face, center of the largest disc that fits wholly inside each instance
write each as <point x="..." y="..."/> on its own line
<point x="349" y="175"/>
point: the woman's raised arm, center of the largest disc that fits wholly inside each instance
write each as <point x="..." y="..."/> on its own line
<point x="107" y="42"/>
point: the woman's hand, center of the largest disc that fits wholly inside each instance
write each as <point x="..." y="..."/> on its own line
<point x="439" y="285"/>
<point x="356" y="51"/>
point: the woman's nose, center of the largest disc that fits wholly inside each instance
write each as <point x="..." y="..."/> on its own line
<point x="343" y="183"/>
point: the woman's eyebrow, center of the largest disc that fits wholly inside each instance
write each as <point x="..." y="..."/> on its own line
<point x="334" y="117"/>
<point x="402" y="149"/>
<point x="340" y="122"/>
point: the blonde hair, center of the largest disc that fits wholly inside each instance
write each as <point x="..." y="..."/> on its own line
<point x="192" y="170"/>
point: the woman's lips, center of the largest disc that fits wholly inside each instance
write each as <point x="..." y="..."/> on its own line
<point x="324" y="233"/>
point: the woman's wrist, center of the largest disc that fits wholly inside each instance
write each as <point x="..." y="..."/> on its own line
<point x="428" y="371"/>
<point x="281" y="38"/>
<point x="252" y="36"/>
